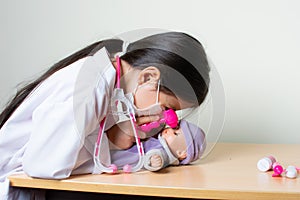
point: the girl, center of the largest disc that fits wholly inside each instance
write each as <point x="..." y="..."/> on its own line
<point x="49" y="128"/>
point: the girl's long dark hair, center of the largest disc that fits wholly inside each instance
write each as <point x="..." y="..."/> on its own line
<point x="112" y="45"/>
<point x="182" y="62"/>
<point x="180" y="58"/>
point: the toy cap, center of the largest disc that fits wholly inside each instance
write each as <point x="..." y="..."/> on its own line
<point x="195" y="141"/>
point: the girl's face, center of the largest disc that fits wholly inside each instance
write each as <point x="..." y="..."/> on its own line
<point x="145" y="96"/>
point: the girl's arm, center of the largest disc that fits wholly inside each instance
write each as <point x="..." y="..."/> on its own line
<point x="54" y="144"/>
<point x="61" y="124"/>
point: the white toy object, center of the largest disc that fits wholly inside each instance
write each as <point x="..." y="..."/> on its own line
<point x="291" y="172"/>
<point x="266" y="163"/>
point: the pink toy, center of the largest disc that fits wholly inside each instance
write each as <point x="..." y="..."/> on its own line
<point x="169" y="117"/>
<point x="278" y="170"/>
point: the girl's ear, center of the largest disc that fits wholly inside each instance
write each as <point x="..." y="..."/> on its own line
<point x="181" y="154"/>
<point x="149" y="74"/>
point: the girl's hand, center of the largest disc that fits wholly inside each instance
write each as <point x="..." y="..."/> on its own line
<point x="146" y="119"/>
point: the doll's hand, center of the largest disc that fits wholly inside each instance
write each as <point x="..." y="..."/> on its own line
<point x="155" y="161"/>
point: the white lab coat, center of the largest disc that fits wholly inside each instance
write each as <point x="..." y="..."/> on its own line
<point x="53" y="132"/>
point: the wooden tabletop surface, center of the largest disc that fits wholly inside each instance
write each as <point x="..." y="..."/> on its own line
<point x="228" y="172"/>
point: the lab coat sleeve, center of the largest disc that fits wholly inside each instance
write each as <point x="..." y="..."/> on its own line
<point x="58" y="135"/>
<point x="70" y="114"/>
<point x="54" y="144"/>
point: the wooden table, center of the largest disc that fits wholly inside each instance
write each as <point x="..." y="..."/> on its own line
<point x="228" y="172"/>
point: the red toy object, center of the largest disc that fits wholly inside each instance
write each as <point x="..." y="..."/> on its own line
<point x="169" y="117"/>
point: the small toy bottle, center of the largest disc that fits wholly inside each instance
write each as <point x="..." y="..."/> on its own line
<point x="266" y="163"/>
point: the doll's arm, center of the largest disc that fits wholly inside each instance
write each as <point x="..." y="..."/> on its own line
<point x="155" y="160"/>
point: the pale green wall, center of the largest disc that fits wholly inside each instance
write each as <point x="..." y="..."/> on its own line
<point x="254" y="45"/>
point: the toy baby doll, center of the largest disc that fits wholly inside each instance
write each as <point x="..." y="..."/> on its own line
<point x="172" y="147"/>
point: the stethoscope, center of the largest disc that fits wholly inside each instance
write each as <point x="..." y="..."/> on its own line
<point x="130" y="114"/>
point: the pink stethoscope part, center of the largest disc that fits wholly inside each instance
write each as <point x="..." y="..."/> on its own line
<point x="97" y="151"/>
<point x="169" y="117"/>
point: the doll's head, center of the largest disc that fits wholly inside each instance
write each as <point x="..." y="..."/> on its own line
<point x="186" y="143"/>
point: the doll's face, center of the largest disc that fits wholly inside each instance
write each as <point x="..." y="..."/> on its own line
<point x="176" y="141"/>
